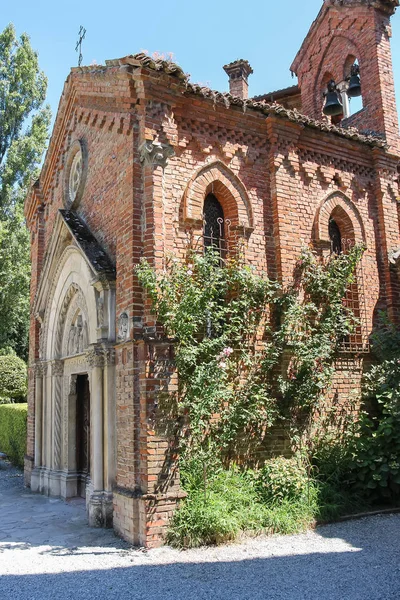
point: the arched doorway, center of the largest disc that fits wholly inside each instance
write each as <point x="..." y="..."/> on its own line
<point x="75" y="428"/>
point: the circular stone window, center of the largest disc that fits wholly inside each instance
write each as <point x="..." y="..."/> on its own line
<point x="75" y="174"/>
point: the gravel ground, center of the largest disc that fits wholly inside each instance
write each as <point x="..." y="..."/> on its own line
<point x="48" y="552"/>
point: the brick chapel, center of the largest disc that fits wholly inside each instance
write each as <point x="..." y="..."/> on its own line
<point x="137" y="157"/>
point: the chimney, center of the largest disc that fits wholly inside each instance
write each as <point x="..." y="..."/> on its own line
<point x="238" y="73"/>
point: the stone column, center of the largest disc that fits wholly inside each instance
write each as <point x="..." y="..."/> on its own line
<point x="97" y="427"/>
<point x="109" y="420"/>
<point x="39" y="455"/>
<point x="99" y="500"/>
<point x="57" y="372"/>
<point x="69" y="478"/>
<point x="38" y="414"/>
<point x="47" y="418"/>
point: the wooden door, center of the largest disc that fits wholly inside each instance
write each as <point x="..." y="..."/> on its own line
<point x="82" y="431"/>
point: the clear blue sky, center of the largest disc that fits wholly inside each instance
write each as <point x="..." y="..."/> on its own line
<point x="202" y="35"/>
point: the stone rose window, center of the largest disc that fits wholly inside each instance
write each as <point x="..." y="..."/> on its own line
<point x="76" y="167"/>
<point x="75" y="175"/>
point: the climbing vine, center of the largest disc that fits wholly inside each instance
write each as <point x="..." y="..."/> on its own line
<point x="313" y="323"/>
<point x="248" y="353"/>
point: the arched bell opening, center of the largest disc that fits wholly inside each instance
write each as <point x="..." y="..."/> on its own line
<point x="352" y="93"/>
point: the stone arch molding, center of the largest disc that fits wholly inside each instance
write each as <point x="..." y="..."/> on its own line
<point x="70" y="308"/>
<point x="218" y="179"/>
<point x="338" y="202"/>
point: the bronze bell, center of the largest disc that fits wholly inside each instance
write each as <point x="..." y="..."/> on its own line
<point x="354" y="89"/>
<point x="333" y="105"/>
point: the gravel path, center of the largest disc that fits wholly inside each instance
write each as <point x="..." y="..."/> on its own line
<point x="48" y="552"/>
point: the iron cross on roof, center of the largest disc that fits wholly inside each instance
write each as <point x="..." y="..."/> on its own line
<point x="82" y="33"/>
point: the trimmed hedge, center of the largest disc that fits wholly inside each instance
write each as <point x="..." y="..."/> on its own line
<point x="13" y="379"/>
<point x="13" y="418"/>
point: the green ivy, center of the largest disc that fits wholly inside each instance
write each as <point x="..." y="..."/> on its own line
<point x="233" y="328"/>
<point x="313" y="323"/>
<point x="216" y="316"/>
<point x="249" y="356"/>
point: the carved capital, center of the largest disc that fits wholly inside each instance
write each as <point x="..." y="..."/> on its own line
<point x="39" y="369"/>
<point x="154" y="153"/>
<point x="101" y="356"/>
<point x="57" y="368"/>
<point x="45" y="368"/>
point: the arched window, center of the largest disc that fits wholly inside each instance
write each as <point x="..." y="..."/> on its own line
<point x="355" y="342"/>
<point x="335" y="236"/>
<point x="214" y="234"/>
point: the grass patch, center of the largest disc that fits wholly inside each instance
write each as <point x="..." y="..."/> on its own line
<point x="228" y="505"/>
<point x="279" y="498"/>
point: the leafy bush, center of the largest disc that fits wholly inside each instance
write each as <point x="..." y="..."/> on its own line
<point x="13" y="419"/>
<point x="219" y="509"/>
<point x="331" y="456"/>
<point x="13" y="379"/>
<point x="376" y="465"/>
<point x="282" y="479"/>
<point x="215" y="510"/>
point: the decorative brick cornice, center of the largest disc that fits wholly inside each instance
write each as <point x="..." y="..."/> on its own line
<point x="293" y="115"/>
<point x="233" y="101"/>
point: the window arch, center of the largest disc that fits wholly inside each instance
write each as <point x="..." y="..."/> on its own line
<point x="335" y="236"/>
<point x="342" y="239"/>
<point x="214" y="228"/>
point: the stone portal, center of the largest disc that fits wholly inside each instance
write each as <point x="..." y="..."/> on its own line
<point x="74" y="385"/>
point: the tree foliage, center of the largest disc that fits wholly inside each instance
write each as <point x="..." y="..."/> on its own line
<point x="13" y="379"/>
<point x="24" y="126"/>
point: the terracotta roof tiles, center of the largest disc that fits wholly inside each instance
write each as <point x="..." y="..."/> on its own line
<point x="257" y="103"/>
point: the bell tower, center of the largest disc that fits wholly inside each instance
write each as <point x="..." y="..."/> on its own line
<point x="347" y="33"/>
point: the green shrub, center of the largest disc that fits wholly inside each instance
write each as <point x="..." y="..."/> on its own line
<point x="219" y="509"/>
<point x="376" y="464"/>
<point x="216" y="510"/>
<point x="13" y="379"/>
<point x="13" y="419"/>
<point x="331" y="455"/>
<point x="283" y="479"/>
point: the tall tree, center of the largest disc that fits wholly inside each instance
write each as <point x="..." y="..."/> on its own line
<point x="24" y="127"/>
